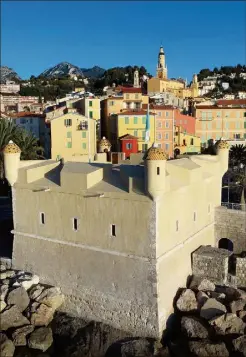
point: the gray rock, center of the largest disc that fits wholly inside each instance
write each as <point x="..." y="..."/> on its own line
<point x="237" y="305"/>
<point x="42" y="316"/>
<point x="12" y="317"/>
<point x="18" y="297"/>
<point x="242" y="315"/>
<point x="41" y="339"/>
<point x="187" y="301"/>
<point x="206" y="285"/>
<point x="6" y="262"/>
<point x="3" y="291"/>
<point x="201" y="298"/>
<point x="9" y="274"/>
<point x="193" y="328"/>
<point x="3" y="275"/>
<point x="218" y="296"/>
<point x="136" y="348"/>
<point x="231" y="293"/>
<point x="2" y="267"/>
<point x="228" y="324"/>
<point x="2" y="305"/>
<point x="7" y="347"/>
<point x="35" y="291"/>
<point x="51" y="297"/>
<point x="240" y="345"/>
<point x="208" y="349"/>
<point x="212" y="308"/>
<point x="19" y="335"/>
<point x="27" y="284"/>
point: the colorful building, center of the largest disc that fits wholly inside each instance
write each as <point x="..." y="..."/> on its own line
<point x="128" y="145"/>
<point x="227" y="119"/>
<point x="73" y="137"/>
<point x="185" y="143"/>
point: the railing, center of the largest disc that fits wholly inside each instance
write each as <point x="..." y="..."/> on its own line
<point x="82" y="127"/>
<point x="235" y="206"/>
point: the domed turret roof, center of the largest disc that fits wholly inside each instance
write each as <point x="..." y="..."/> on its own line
<point x="11" y="148"/>
<point x="155" y="153"/>
<point x="222" y="144"/>
<point x="104" y="142"/>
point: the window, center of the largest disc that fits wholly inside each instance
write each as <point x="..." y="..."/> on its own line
<point x="90" y="114"/>
<point x="227" y="114"/>
<point x="209" y="115"/>
<point x="245" y="125"/>
<point x="111" y="103"/>
<point x="237" y="126"/>
<point x="135" y="120"/>
<point x="75" y="224"/>
<point x="126" y="120"/>
<point x="158" y="170"/>
<point x="167" y="114"/>
<point x="159" y="136"/>
<point x="167" y="124"/>
<point x="84" y="146"/>
<point x="192" y="141"/>
<point x="31" y="120"/>
<point x="203" y="115"/>
<point x="84" y="134"/>
<point x="184" y="142"/>
<point x="90" y="103"/>
<point x="135" y="133"/>
<point x="127" y="96"/>
<point x="166" y="147"/>
<point x="238" y="114"/>
<point x="144" y="120"/>
<point x="137" y="105"/>
<point x="166" y="136"/>
<point x="42" y="218"/>
<point x="68" y="122"/>
<point x="209" y="126"/>
<point x="144" y="147"/>
<point x="177" y="226"/>
<point x="236" y="136"/>
<point x="194" y="216"/>
<point x="159" y="124"/>
<point x="143" y="134"/>
<point x="218" y="114"/>
<point x="218" y="125"/>
<point x="69" y="145"/>
<point x="113" y="230"/>
<point x="136" y="96"/>
<point x="159" y="114"/>
<point x="128" y="146"/>
<point x="69" y="134"/>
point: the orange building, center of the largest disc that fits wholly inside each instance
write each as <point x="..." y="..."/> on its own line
<point x="226" y="119"/>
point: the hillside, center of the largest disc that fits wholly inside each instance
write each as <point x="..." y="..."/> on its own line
<point x="94" y="72"/>
<point x="8" y="74"/>
<point x="62" y="69"/>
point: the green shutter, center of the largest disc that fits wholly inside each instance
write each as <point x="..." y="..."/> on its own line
<point x="69" y="144"/>
<point x="91" y="114"/>
<point x="69" y="134"/>
<point x="245" y="125"/>
<point x="84" y="134"/>
<point x="135" y="133"/>
<point x="90" y="103"/>
<point x="144" y="120"/>
<point x="135" y="120"/>
<point x="126" y="120"/>
<point x="84" y="146"/>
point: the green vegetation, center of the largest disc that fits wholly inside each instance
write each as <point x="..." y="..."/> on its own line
<point x="30" y="149"/>
<point x="237" y="155"/>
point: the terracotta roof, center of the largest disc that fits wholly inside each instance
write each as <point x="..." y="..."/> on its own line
<point x="132" y="112"/>
<point x="231" y="101"/>
<point x="11" y="148"/>
<point x="155" y="153"/>
<point x="160" y="107"/>
<point x="25" y="114"/>
<point x="131" y="90"/>
<point x="128" y="137"/>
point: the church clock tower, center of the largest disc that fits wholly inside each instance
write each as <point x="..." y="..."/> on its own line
<point x="161" y="71"/>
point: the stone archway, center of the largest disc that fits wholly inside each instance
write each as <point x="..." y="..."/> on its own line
<point x="226" y="244"/>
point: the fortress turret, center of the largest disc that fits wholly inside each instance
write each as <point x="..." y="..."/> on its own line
<point x="223" y="154"/>
<point x="155" y="171"/>
<point x="11" y="157"/>
<point x="104" y="145"/>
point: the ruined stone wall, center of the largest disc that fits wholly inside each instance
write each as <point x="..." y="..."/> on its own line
<point x="231" y="224"/>
<point x="241" y="271"/>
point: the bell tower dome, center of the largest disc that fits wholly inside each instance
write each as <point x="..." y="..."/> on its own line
<point x="161" y="66"/>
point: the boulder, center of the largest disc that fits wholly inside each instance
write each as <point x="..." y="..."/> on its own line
<point x="3" y="275"/>
<point x="18" y="297"/>
<point x="2" y="267"/>
<point x="6" y="262"/>
<point x="41" y="339"/>
<point x="19" y="335"/>
<point x="212" y="308"/>
<point x="35" y="291"/>
<point x="231" y="293"/>
<point x="187" y="301"/>
<point x="2" y="305"/>
<point x="51" y="297"/>
<point x="237" y="305"/>
<point x="12" y="317"/>
<point x="228" y="324"/>
<point x="136" y="348"/>
<point x="201" y="298"/>
<point x="240" y="345"/>
<point x="242" y="315"/>
<point x="42" y="316"/>
<point x="193" y="328"/>
<point x="208" y="349"/>
<point x="7" y="347"/>
<point x="10" y="274"/>
<point x="27" y="284"/>
<point x="206" y="285"/>
<point x="3" y="291"/>
<point x="218" y="296"/>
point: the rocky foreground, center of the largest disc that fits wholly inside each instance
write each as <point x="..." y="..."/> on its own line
<point x="208" y="321"/>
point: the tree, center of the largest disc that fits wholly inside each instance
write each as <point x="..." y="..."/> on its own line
<point x="30" y="150"/>
<point x="237" y="155"/>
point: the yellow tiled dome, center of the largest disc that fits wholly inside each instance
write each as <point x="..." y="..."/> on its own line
<point x="104" y="142"/>
<point x="222" y="144"/>
<point x="155" y="153"/>
<point x="11" y="148"/>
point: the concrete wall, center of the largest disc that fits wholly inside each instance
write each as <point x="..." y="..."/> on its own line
<point x="231" y="224"/>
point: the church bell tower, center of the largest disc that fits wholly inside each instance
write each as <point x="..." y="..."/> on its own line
<point x="161" y="71"/>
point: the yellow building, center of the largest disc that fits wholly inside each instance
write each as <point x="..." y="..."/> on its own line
<point x="126" y="98"/>
<point x="161" y="83"/>
<point x="73" y="137"/>
<point x="185" y="143"/>
<point x="225" y="119"/>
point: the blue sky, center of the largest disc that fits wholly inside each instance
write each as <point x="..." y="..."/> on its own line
<point x="195" y="34"/>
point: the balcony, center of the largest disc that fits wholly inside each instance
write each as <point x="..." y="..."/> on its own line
<point x="82" y="126"/>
